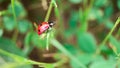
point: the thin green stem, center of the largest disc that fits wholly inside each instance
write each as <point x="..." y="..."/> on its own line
<point x="20" y="59"/>
<point x="62" y="49"/>
<point x="47" y="41"/>
<point x="13" y="10"/>
<point x="118" y="33"/>
<point x="84" y="15"/>
<point x="15" y="20"/>
<point x="110" y="33"/>
<point x="49" y="11"/>
<point x="3" y="12"/>
<point x="62" y="60"/>
<point x="23" y="61"/>
<point x="46" y="19"/>
<point x="108" y="36"/>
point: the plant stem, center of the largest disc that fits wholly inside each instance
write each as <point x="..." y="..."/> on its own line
<point x="47" y="41"/>
<point x="15" y="34"/>
<point x="107" y="37"/>
<point x="20" y="59"/>
<point x="23" y="61"/>
<point x="84" y="15"/>
<point x="3" y="12"/>
<point x="13" y="10"/>
<point x="62" y="49"/>
<point x="46" y="19"/>
<point x="58" y="45"/>
<point x="49" y="11"/>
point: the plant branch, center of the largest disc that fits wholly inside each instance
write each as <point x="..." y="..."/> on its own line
<point x="107" y="37"/>
<point x="20" y="59"/>
<point x="57" y="44"/>
<point x="13" y="10"/>
<point x="49" y="11"/>
<point x="15" y="34"/>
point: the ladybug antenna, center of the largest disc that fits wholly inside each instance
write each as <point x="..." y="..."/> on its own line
<point x="51" y="23"/>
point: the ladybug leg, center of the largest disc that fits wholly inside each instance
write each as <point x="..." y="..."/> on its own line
<point x="49" y="28"/>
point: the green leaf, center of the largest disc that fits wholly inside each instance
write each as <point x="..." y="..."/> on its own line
<point x="100" y="3"/>
<point x="37" y="40"/>
<point x="118" y="4"/>
<point x="108" y="11"/>
<point x="87" y="43"/>
<point x="109" y="24"/>
<point x="8" y="45"/>
<point x="115" y="43"/>
<point x="69" y="32"/>
<point x="84" y="58"/>
<point x="96" y="13"/>
<point x="73" y="19"/>
<point x="73" y="64"/>
<point x="9" y="23"/>
<point x="75" y="1"/>
<point x="71" y="49"/>
<point x="106" y="50"/>
<point x="19" y="9"/>
<point x="81" y="15"/>
<point x="27" y="47"/>
<point x="103" y="64"/>
<point x="1" y="32"/>
<point x="25" y="66"/>
<point x="24" y="26"/>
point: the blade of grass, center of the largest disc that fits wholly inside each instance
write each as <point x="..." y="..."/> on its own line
<point x="3" y="12"/>
<point x="47" y="41"/>
<point x="11" y="65"/>
<point x="49" y="11"/>
<point x="23" y="61"/>
<point x="84" y="15"/>
<point x="46" y="19"/>
<point x="20" y="59"/>
<point x="98" y="51"/>
<point x="66" y="52"/>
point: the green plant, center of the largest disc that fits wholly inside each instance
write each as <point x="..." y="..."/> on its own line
<point x="85" y="35"/>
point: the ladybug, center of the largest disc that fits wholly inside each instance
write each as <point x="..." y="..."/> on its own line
<point x="44" y="26"/>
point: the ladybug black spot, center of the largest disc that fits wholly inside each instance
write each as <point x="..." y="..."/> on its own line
<point x="38" y="30"/>
<point x="40" y="24"/>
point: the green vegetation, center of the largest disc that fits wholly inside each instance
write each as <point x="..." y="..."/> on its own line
<point x="86" y="34"/>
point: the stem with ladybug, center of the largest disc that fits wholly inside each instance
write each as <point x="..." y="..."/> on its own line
<point x="46" y="19"/>
<point x="59" y="45"/>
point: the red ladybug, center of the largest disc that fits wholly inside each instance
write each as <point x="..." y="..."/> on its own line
<point x="44" y="26"/>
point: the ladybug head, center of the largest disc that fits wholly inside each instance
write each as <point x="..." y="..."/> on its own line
<point x="51" y="23"/>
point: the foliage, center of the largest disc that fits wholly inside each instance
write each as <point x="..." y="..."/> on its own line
<point x="86" y="34"/>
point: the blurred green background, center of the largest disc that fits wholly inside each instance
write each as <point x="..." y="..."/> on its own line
<point x="81" y="37"/>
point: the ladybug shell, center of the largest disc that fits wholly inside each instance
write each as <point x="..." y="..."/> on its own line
<point x="42" y="27"/>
